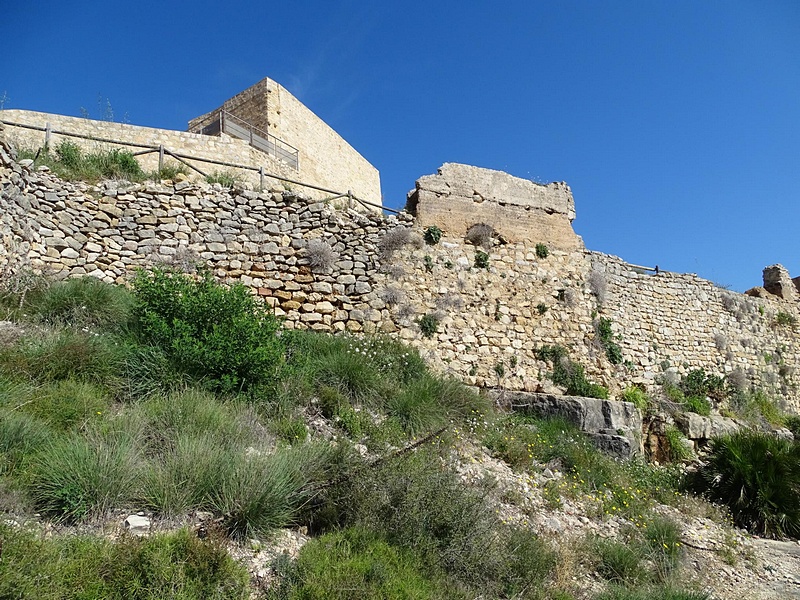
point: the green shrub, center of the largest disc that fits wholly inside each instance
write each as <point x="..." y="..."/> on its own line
<point x="432" y="235"/>
<point x="542" y="251"/>
<point x="220" y="335"/>
<point x="174" y="566"/>
<point x="355" y="563"/>
<point x="420" y="505"/>
<point x="481" y="260"/>
<point x="429" y="325"/>
<point x="757" y="476"/>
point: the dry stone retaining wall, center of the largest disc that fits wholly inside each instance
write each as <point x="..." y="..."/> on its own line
<point x="491" y="320"/>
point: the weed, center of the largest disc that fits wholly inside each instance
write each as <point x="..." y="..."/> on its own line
<point x="636" y="396"/>
<point x="481" y="260"/>
<point x="428" y="262"/>
<point x="541" y="308"/>
<point x="598" y="284"/>
<point x="480" y="235"/>
<point x="542" y="251"/>
<point x="320" y="256"/>
<point x="619" y="561"/>
<point x="678" y="448"/>
<point x="428" y="325"/>
<point x="224" y="178"/>
<point x="785" y="319"/>
<point x="392" y="295"/>
<point x="394" y="240"/>
<point x="607" y="340"/>
<point x="432" y="235"/>
<point x="569" y="374"/>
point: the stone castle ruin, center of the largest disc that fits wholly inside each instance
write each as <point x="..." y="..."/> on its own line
<point x="341" y="270"/>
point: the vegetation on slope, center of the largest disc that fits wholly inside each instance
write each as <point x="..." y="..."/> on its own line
<point x="183" y="395"/>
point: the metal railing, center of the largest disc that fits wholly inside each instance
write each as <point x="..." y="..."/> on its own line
<point x="259" y="139"/>
<point x="183" y="158"/>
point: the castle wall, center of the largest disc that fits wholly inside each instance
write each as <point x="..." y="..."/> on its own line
<point x="491" y="320"/>
<point x="325" y="157"/>
<point x="459" y="196"/>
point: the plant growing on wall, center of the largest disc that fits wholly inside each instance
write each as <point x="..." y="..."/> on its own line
<point x="542" y="251"/>
<point x="429" y="325"/>
<point x="428" y="262"/>
<point x="606" y="337"/>
<point x="432" y="235"/>
<point x="569" y="374"/>
<point x="481" y="235"/>
<point x="481" y="260"/>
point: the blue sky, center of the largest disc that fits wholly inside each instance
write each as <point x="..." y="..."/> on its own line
<point x="677" y="123"/>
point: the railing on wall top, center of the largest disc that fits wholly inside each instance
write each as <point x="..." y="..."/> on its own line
<point x="183" y="158"/>
<point x="259" y="139"/>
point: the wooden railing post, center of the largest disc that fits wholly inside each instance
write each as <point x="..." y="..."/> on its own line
<point x="160" y="158"/>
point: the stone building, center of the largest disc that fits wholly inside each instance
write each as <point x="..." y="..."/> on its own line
<point x="284" y="127"/>
<point x="262" y="127"/>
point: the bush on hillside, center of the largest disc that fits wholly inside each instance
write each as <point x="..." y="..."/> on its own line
<point x="219" y="334"/>
<point x="756" y="475"/>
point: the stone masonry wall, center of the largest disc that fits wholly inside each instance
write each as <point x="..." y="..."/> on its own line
<point x="491" y="320"/>
<point x="324" y="155"/>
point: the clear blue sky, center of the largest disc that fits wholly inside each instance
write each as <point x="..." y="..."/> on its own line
<point x="677" y="123"/>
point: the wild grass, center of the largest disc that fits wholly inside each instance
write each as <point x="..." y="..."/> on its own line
<point x="175" y="566"/>
<point x="72" y="163"/>
<point x="84" y="302"/>
<point x="75" y="477"/>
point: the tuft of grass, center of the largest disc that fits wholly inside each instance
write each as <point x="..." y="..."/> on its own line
<point x="265" y="492"/>
<point x="75" y="477"/>
<point x="320" y="255"/>
<point x="636" y="396"/>
<point x="20" y="436"/>
<point x="224" y="178"/>
<point x="355" y="563"/>
<point x="72" y="163"/>
<point x="83" y="302"/>
<point x="64" y="354"/>
<point x="542" y="251"/>
<point x="619" y="562"/>
<point x="481" y="235"/>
